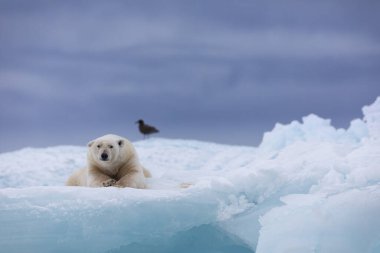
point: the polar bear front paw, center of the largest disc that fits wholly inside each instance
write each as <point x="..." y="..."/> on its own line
<point x="109" y="182"/>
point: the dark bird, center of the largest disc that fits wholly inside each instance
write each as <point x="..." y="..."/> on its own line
<point x="146" y="129"/>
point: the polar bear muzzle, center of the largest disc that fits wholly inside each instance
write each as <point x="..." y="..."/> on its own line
<point x="104" y="156"/>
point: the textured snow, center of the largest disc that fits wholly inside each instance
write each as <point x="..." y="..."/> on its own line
<point x="308" y="187"/>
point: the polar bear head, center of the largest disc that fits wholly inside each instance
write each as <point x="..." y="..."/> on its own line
<point x="109" y="152"/>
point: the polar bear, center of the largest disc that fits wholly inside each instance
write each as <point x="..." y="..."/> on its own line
<point x="111" y="161"/>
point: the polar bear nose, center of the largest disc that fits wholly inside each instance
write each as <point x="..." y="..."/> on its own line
<point x="104" y="157"/>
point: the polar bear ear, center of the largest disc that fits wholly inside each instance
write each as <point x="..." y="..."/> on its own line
<point x="121" y="143"/>
<point x="90" y="143"/>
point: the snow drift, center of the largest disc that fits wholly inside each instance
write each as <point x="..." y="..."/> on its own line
<point x="308" y="187"/>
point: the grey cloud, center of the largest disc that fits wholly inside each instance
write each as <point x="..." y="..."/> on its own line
<point x="222" y="71"/>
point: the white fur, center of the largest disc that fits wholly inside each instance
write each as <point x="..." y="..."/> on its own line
<point x="111" y="161"/>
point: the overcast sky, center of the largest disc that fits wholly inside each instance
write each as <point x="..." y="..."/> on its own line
<point x="221" y="70"/>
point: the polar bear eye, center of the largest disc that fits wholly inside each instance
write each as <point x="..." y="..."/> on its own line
<point x="110" y="146"/>
<point x="98" y="146"/>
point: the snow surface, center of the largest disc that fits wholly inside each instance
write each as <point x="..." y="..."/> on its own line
<point x="308" y="187"/>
